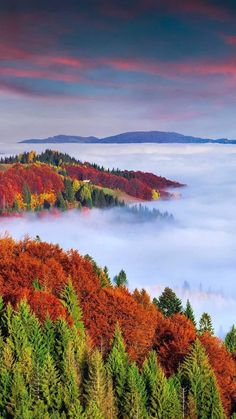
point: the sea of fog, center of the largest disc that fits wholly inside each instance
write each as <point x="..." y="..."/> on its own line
<point x="195" y="255"/>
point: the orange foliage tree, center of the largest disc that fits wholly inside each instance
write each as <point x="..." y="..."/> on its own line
<point x="173" y="338"/>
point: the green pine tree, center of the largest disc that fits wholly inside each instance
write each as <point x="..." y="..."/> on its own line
<point x="20" y="402"/>
<point x="111" y="403"/>
<point x="93" y="411"/>
<point x="134" y="403"/>
<point x="117" y="366"/>
<point x="120" y="280"/>
<point x="70" y="300"/>
<point x="6" y="367"/>
<point x="68" y="190"/>
<point x="168" y="303"/>
<point x="60" y="202"/>
<point x="49" y="335"/>
<point x="205" y="324"/>
<point x="189" y="313"/>
<point x="200" y="382"/>
<point x="230" y="340"/>
<point x="159" y="402"/>
<point x="50" y="386"/>
<point x="95" y="388"/>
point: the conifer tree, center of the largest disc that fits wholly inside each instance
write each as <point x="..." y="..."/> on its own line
<point x="117" y="366"/>
<point x="189" y="313"/>
<point x="60" y="202"/>
<point x="68" y="191"/>
<point x="70" y="300"/>
<point x="62" y="339"/>
<point x="205" y="324"/>
<point x="168" y="303"/>
<point x="199" y="379"/>
<point x="70" y="381"/>
<point x="49" y="335"/>
<point x="134" y="395"/>
<point x="40" y="410"/>
<point x="95" y="388"/>
<point x="106" y="273"/>
<point x="6" y="366"/>
<point x="50" y="386"/>
<point x="111" y="403"/>
<point x="230" y="340"/>
<point x="159" y="403"/>
<point x="20" y="402"/>
<point x="120" y="280"/>
<point x="33" y="331"/>
<point x="93" y="411"/>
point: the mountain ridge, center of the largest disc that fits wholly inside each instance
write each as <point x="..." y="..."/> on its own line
<point x="133" y="137"/>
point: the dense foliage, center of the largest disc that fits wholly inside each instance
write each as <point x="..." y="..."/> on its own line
<point x="32" y="181"/>
<point x="37" y="186"/>
<point x="74" y="345"/>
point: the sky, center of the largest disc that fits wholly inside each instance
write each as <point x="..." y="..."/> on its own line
<point x="100" y="67"/>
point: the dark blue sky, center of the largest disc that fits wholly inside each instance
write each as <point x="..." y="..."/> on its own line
<point x="103" y="67"/>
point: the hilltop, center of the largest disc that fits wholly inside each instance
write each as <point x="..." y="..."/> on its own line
<point x="32" y="181"/>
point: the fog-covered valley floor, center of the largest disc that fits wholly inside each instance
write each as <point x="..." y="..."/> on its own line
<point x="196" y="254"/>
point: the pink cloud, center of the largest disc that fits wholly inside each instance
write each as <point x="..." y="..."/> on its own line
<point x="38" y="74"/>
<point x="230" y="39"/>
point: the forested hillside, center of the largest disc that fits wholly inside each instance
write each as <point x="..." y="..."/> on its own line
<point x="77" y="344"/>
<point x="52" y="179"/>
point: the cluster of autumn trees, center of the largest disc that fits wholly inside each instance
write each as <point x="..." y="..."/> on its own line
<point x="32" y="181"/>
<point x="86" y="347"/>
<point x="20" y="184"/>
<point x="37" y="186"/>
<point x="146" y="186"/>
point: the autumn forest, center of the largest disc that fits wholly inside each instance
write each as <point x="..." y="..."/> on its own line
<point x="76" y="343"/>
<point x="35" y="182"/>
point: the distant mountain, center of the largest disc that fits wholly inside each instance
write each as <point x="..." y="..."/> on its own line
<point x="61" y="139"/>
<point x="135" y="137"/>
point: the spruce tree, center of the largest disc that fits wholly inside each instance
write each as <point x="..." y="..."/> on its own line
<point x="117" y="366"/>
<point x="111" y="403"/>
<point x="50" y="386"/>
<point x="6" y="367"/>
<point x="159" y="395"/>
<point x="134" y="403"/>
<point x="189" y="313"/>
<point x="70" y="381"/>
<point x="230" y="340"/>
<point x="70" y="300"/>
<point x="68" y="190"/>
<point x="20" y="402"/>
<point x="199" y="380"/>
<point x="205" y="324"/>
<point x="168" y="303"/>
<point x="95" y="388"/>
<point x="120" y="280"/>
<point x="93" y="411"/>
<point x="60" y="202"/>
<point x="49" y="335"/>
